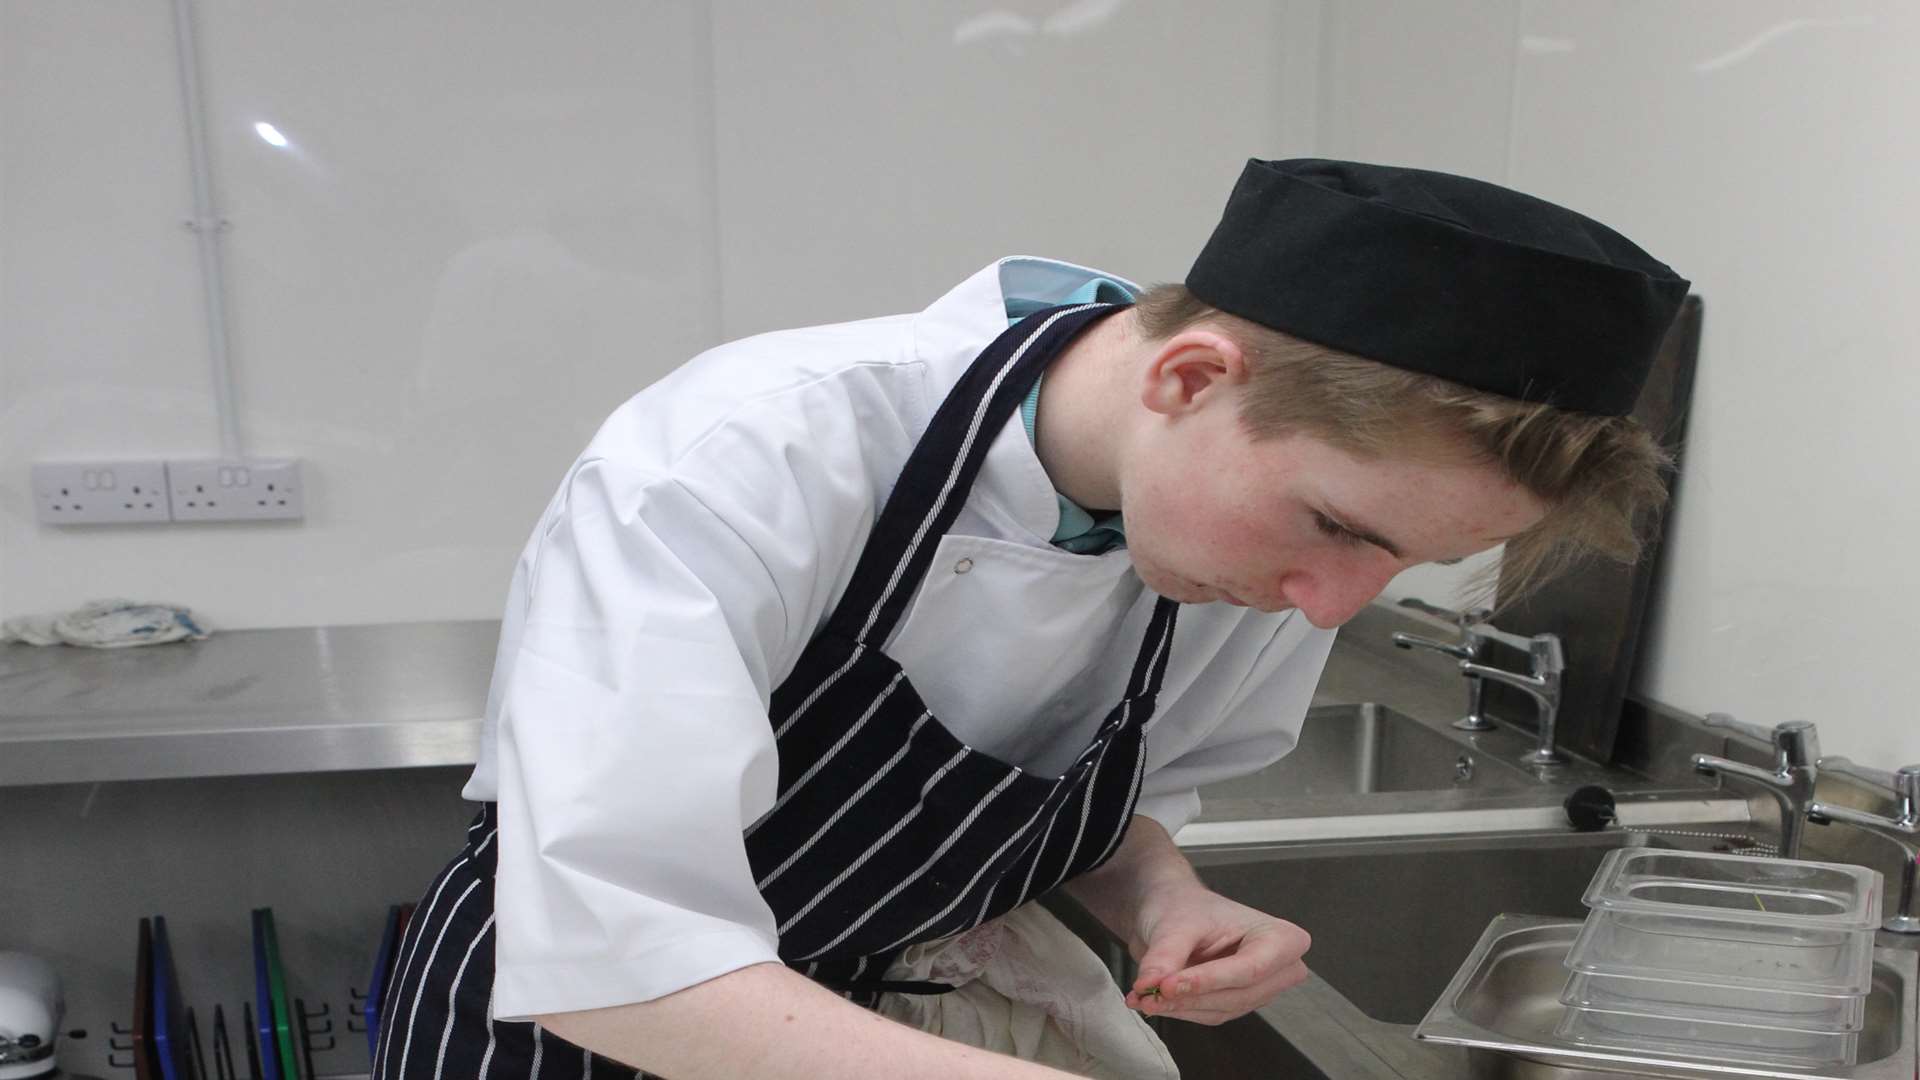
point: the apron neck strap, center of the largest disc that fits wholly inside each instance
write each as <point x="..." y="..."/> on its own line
<point x="939" y="473"/>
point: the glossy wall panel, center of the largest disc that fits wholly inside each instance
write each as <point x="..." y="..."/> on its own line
<point x="872" y="155"/>
<point x="489" y="225"/>
<point x="1767" y="150"/>
<point x="1771" y="149"/>
<point x="493" y="222"/>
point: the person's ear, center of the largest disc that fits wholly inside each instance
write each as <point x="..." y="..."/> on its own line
<point x="1189" y="367"/>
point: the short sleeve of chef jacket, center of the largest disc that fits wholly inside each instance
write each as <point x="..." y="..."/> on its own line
<point x="683" y="564"/>
<point x="659" y="602"/>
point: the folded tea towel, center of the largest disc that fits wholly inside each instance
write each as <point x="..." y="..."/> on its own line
<point x="1030" y="988"/>
<point x="106" y="624"/>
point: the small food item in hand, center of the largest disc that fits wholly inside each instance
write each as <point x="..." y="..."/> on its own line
<point x="1150" y="992"/>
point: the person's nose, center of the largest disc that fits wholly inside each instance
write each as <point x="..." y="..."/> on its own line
<point x="1330" y="595"/>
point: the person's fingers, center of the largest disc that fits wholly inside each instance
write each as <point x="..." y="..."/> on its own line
<point x="1167" y="953"/>
<point x="1233" y="1001"/>
<point x="1190" y="1014"/>
<point x="1264" y="951"/>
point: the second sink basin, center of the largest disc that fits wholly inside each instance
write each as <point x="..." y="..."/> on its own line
<point x="1360" y="749"/>
<point x="1392" y="920"/>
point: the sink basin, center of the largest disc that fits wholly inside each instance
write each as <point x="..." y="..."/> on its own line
<point x="1244" y="1049"/>
<point x="1504" y="1003"/>
<point x="1361" y="749"/>
<point x="1392" y="920"/>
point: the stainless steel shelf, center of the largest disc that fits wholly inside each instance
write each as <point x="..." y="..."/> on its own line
<point x="245" y="702"/>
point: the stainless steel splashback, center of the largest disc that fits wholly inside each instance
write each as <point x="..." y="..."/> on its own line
<point x="1599" y="607"/>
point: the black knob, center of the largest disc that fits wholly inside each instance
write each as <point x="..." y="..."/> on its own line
<point x="1590" y="808"/>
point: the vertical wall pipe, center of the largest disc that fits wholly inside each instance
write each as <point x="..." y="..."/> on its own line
<point x="206" y="226"/>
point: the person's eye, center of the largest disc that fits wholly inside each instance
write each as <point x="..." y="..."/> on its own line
<point x="1334" y="529"/>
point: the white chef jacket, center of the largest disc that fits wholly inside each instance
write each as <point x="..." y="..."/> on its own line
<point x="701" y="540"/>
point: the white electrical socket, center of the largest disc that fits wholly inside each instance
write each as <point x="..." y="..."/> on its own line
<point x="100" y="492"/>
<point x="255" y="489"/>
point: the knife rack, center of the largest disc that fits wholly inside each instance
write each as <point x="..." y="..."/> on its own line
<point x="164" y="1040"/>
<point x="329" y="852"/>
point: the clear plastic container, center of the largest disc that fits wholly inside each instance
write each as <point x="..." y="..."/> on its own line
<point x="1716" y="1004"/>
<point x="1722" y="1043"/>
<point x="1737" y="955"/>
<point x="1739" y="888"/>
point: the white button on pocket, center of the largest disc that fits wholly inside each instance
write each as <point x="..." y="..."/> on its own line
<point x="963" y="566"/>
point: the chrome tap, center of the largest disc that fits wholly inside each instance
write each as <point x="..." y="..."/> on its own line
<point x="1548" y="661"/>
<point x="1901" y="828"/>
<point x="1471" y="644"/>
<point x="1796" y="763"/>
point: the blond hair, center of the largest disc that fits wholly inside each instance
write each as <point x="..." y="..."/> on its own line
<point x="1601" y="477"/>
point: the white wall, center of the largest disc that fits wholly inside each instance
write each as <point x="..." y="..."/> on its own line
<point x="498" y="220"/>
<point x="493" y="223"/>
<point x="1768" y="150"/>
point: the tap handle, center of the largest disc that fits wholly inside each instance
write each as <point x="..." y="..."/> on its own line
<point x="1906" y="791"/>
<point x="1544" y="650"/>
<point x="1798" y="743"/>
<point x="1434" y="610"/>
<point x="1415" y="641"/>
<point x="1514" y="641"/>
<point x="1549" y="658"/>
<point x="1466" y="621"/>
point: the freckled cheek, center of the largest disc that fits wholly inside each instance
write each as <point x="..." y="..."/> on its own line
<point x="1253" y="552"/>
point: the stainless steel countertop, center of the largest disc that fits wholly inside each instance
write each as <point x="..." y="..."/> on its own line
<point x="322" y="699"/>
<point x="246" y="702"/>
<point x="407" y="695"/>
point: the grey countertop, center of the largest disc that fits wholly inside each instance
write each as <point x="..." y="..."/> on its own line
<point x="246" y="702"/>
<point x="323" y="699"/>
<point x="326" y="699"/>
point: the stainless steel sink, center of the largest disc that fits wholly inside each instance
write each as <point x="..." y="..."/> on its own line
<point x="1361" y="749"/>
<point x="1244" y="1049"/>
<point x="1504" y="1005"/>
<point x="1392" y="920"/>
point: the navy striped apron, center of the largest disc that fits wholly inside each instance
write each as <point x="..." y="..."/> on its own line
<point x="886" y="831"/>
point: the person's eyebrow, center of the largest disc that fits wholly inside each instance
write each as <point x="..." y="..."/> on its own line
<point x="1364" y="533"/>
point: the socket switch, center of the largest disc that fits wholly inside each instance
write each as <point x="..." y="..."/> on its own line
<point x="100" y="492"/>
<point x="255" y="489"/>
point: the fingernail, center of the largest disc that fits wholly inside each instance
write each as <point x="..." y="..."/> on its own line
<point x="1184" y="986"/>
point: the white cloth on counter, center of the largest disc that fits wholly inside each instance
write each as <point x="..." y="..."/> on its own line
<point x="1029" y="987"/>
<point x="106" y="624"/>
<point x="690" y="554"/>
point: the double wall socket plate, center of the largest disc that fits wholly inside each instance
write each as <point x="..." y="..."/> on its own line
<point x="137" y="492"/>
<point x="257" y="489"/>
<point x="101" y="493"/>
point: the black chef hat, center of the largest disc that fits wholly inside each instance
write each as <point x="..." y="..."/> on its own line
<point x="1442" y="275"/>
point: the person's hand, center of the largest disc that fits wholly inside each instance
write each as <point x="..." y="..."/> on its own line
<point x="1208" y="959"/>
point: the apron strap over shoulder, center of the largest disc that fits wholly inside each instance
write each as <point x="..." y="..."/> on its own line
<point x="934" y="484"/>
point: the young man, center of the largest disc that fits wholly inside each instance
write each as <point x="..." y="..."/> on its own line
<point x="844" y="640"/>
